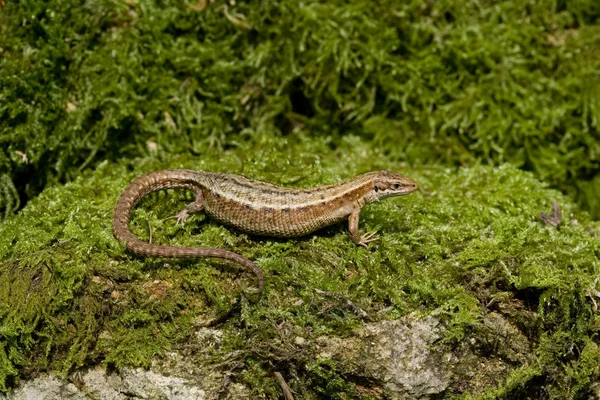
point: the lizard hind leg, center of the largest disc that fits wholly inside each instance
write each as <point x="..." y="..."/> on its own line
<point x="196" y="206"/>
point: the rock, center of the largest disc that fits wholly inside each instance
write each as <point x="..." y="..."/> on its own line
<point x="143" y="384"/>
<point x="102" y="386"/>
<point x="397" y="354"/>
<point x="131" y="383"/>
<point x="47" y="387"/>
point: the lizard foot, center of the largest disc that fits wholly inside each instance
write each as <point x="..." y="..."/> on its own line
<point x="181" y="216"/>
<point x="368" y="238"/>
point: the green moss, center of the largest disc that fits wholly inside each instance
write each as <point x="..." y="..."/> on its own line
<point x="444" y="82"/>
<point x="470" y="245"/>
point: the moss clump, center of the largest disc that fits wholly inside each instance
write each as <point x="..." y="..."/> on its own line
<point x="446" y="82"/>
<point x="471" y="246"/>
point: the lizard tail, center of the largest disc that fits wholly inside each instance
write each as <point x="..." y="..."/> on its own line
<point x="156" y="181"/>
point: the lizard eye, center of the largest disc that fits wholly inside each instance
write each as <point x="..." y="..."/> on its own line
<point x="397" y="186"/>
<point x="376" y="189"/>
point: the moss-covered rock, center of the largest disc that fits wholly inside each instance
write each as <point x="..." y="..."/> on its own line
<point x="469" y="250"/>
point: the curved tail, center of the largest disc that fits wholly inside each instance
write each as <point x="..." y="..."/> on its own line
<point x="177" y="178"/>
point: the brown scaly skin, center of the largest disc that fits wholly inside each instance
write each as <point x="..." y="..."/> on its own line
<point x="258" y="207"/>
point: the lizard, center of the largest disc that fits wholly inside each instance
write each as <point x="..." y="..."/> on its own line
<point x="257" y="207"/>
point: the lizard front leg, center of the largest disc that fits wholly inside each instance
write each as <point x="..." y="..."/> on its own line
<point x="354" y="232"/>
<point x="196" y="206"/>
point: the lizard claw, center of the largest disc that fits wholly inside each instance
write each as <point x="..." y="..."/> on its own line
<point x="181" y="216"/>
<point x="368" y="238"/>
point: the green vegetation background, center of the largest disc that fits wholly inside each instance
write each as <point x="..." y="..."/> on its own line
<point x="301" y="93"/>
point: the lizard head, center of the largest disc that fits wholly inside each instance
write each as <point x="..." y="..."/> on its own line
<point x="388" y="183"/>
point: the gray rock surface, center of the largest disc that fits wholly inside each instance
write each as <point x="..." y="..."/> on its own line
<point x="96" y="384"/>
<point x="47" y="387"/>
<point x="397" y="354"/>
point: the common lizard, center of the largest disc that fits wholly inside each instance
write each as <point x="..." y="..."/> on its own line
<point x="257" y="207"/>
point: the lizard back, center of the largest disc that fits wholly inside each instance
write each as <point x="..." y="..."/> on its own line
<point x="266" y="209"/>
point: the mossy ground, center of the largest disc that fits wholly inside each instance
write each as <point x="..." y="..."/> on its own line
<point x="470" y="244"/>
